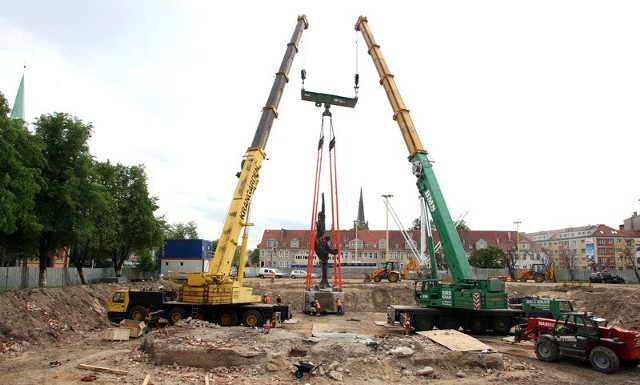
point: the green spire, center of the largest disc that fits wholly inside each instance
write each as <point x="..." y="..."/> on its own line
<point x="17" y="112"/>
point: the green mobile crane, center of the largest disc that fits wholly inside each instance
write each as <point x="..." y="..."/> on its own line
<point x="476" y="305"/>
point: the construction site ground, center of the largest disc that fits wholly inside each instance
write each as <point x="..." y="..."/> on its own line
<point x="47" y="334"/>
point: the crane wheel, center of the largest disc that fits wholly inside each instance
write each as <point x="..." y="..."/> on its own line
<point x="478" y="325"/>
<point x="393" y="277"/>
<point x="449" y="322"/>
<point x="423" y="322"/>
<point x="377" y="278"/>
<point x="137" y="313"/>
<point x="501" y="326"/>
<point x="176" y="314"/>
<point x="547" y="350"/>
<point x="227" y="317"/>
<point x="252" y="318"/>
<point x="604" y="359"/>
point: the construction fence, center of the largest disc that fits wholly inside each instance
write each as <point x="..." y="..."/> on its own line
<point x="14" y="278"/>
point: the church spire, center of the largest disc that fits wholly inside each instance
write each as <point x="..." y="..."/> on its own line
<point x="17" y="112"/>
<point x="362" y="224"/>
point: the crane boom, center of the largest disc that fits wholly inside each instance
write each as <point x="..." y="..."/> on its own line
<point x="422" y="168"/>
<point x="248" y="177"/>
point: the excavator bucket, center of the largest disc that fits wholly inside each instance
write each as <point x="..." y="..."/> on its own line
<point x="367" y="277"/>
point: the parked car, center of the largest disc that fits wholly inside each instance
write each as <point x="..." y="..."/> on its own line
<point x="605" y="277"/>
<point x="266" y="272"/>
<point x="301" y="274"/>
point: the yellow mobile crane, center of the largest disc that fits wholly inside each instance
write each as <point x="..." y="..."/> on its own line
<point x="214" y="295"/>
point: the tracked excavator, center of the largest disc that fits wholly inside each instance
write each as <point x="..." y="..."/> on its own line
<point x="214" y="295"/>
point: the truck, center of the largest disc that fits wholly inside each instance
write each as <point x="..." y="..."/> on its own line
<point x="584" y="336"/>
<point x="476" y="305"/>
<point x="215" y="295"/>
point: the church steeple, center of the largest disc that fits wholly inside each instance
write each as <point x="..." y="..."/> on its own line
<point x="17" y="112"/>
<point x="362" y="224"/>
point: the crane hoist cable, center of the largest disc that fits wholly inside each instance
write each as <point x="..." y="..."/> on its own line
<point x="327" y="100"/>
<point x="317" y="227"/>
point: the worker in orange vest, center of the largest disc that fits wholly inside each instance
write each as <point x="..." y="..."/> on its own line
<point x="339" y="306"/>
<point x="318" y="307"/>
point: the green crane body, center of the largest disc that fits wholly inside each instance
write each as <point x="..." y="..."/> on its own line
<point x="465" y="292"/>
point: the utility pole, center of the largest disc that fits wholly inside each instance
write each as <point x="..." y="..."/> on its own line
<point x="386" y="198"/>
<point x="517" y="238"/>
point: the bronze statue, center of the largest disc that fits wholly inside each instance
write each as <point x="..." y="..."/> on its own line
<point x="323" y="246"/>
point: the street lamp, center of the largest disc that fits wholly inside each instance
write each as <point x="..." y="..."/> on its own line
<point x="517" y="238"/>
<point x="355" y="224"/>
<point x="273" y="252"/>
<point x="386" y="199"/>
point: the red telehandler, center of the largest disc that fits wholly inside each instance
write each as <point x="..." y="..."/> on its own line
<point x="584" y="336"/>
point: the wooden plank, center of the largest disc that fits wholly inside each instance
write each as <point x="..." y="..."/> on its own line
<point x="206" y="379"/>
<point x="455" y="340"/>
<point x="102" y="369"/>
<point x="146" y="379"/>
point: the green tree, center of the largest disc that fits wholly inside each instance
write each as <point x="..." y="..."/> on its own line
<point x="95" y="224"/>
<point x="488" y="258"/>
<point x="20" y="181"/>
<point x="137" y="229"/>
<point x="180" y="230"/>
<point x="146" y="264"/>
<point x="254" y="257"/>
<point x="66" y="170"/>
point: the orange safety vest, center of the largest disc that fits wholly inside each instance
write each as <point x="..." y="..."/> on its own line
<point x="267" y="299"/>
<point x="338" y="302"/>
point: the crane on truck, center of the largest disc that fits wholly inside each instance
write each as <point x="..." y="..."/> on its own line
<point x="215" y="295"/>
<point x="474" y="304"/>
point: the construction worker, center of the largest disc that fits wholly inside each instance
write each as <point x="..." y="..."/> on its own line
<point x="318" y="307"/>
<point x="267" y="299"/>
<point x="312" y="309"/>
<point x="278" y="300"/>
<point x="339" y="306"/>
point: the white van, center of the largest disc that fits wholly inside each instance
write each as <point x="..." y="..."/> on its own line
<point x="265" y="272"/>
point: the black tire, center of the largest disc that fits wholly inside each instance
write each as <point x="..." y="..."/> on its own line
<point x="299" y="374"/>
<point x="294" y="277"/>
<point x="604" y="359"/>
<point x="449" y="322"/>
<point x="252" y="318"/>
<point x="377" y="278"/>
<point x="227" y="317"/>
<point x="547" y="350"/>
<point x="393" y="277"/>
<point x="423" y="322"/>
<point x="538" y="278"/>
<point x="478" y="324"/>
<point x="501" y="326"/>
<point x="176" y="314"/>
<point x="137" y="312"/>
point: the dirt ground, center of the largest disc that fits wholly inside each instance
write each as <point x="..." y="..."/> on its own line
<point x="46" y="333"/>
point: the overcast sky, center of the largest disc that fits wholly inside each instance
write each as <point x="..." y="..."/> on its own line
<point x="530" y="110"/>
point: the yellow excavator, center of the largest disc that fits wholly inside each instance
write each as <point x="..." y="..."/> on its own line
<point x="539" y="272"/>
<point x="390" y="271"/>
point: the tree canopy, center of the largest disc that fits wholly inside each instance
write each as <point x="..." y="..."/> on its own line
<point x="58" y="201"/>
<point x="489" y="258"/>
